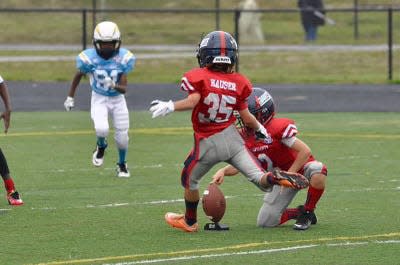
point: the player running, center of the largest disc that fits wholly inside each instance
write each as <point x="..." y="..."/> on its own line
<point x="286" y="152"/>
<point x="13" y="197"/>
<point x="107" y="66"/>
<point x="215" y="92"/>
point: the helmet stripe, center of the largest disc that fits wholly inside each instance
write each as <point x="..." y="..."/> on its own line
<point x="223" y="43"/>
<point x="258" y="104"/>
<point x="115" y="30"/>
<point x="98" y="31"/>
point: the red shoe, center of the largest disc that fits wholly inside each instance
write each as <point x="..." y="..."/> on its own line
<point x="178" y="221"/>
<point x="14" y="198"/>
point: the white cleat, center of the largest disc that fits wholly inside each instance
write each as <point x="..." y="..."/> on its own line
<point x="98" y="157"/>
<point x="122" y="171"/>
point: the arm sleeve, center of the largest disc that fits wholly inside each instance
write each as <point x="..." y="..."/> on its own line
<point x="289" y="142"/>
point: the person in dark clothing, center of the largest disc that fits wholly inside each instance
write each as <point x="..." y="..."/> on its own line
<point x="312" y="16"/>
<point x="13" y="196"/>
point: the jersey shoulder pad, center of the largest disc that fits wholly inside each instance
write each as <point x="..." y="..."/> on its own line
<point x="84" y="61"/>
<point x="127" y="56"/>
<point x="242" y="78"/>
<point x="191" y="78"/>
<point x="243" y="85"/>
<point x="282" y="128"/>
<point x="195" y="74"/>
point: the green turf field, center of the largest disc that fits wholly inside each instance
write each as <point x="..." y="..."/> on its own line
<point x="77" y="214"/>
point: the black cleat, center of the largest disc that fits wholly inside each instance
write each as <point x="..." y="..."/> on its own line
<point x="313" y="218"/>
<point x="98" y="156"/>
<point x="304" y="219"/>
<point x="100" y="152"/>
<point x="122" y="171"/>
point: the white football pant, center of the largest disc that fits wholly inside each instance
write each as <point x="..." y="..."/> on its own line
<point x="276" y="202"/>
<point x="103" y="107"/>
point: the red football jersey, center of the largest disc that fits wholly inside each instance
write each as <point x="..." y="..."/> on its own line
<point x="275" y="154"/>
<point x="221" y="94"/>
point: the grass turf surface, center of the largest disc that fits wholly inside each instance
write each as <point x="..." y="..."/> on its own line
<point x="77" y="214"/>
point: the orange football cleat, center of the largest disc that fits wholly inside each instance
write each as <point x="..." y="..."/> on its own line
<point x="290" y="179"/>
<point x="178" y="221"/>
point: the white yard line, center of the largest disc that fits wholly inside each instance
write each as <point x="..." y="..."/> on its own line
<point x="263" y="251"/>
<point x="253" y="252"/>
<point x="254" y="248"/>
<point x="179" y="200"/>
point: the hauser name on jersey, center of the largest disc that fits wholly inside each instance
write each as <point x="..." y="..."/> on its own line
<point x="223" y="84"/>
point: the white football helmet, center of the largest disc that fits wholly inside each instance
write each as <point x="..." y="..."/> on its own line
<point x="106" y="32"/>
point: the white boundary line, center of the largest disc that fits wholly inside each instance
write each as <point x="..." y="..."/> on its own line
<point x="255" y="252"/>
<point x="224" y="251"/>
<point x="227" y="254"/>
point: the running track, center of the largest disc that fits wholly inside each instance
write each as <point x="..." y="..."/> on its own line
<point x="27" y="96"/>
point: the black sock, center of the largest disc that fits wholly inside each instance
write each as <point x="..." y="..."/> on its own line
<point x="4" y="171"/>
<point x="191" y="212"/>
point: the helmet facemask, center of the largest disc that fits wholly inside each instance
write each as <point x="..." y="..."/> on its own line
<point x="111" y="48"/>
<point x="264" y="114"/>
<point x="245" y="131"/>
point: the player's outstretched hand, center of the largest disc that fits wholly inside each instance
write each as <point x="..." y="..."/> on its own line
<point x="262" y="134"/>
<point x="5" y="116"/>
<point x="161" y="108"/>
<point x="69" y="103"/>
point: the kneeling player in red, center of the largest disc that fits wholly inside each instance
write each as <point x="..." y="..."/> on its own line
<point x="286" y="152"/>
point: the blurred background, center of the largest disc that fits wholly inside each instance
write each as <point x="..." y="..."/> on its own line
<point x="359" y="34"/>
<point x="150" y="22"/>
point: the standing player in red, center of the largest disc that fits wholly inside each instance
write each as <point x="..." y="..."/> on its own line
<point x="215" y="92"/>
<point x="287" y="152"/>
<point x="13" y="196"/>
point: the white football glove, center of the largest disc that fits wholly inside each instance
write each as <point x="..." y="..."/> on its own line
<point x="261" y="132"/>
<point x="69" y="103"/>
<point x="109" y="83"/>
<point x="161" y="108"/>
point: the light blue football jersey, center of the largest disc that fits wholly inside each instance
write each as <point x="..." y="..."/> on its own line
<point x="90" y="63"/>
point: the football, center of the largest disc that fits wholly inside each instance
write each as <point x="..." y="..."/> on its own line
<point x="214" y="203"/>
